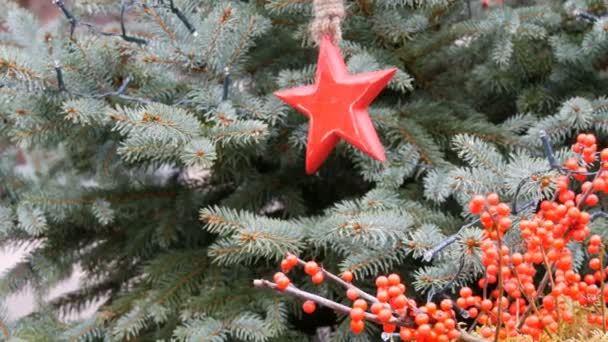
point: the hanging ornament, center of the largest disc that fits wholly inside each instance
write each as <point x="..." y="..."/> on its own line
<point x="337" y="102"/>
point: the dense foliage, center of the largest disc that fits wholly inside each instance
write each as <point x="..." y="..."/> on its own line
<point x="159" y="162"/>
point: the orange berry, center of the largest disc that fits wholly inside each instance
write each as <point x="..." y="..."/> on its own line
<point x="595" y="240"/>
<point x="604" y="154"/>
<point x="361" y="304"/>
<point x="352" y="294"/>
<point x="357" y="314"/>
<point x="592" y="200"/>
<point x="376" y="308"/>
<point x="595" y="264"/>
<point x="278" y="276"/>
<point x="424" y="330"/>
<point x="399" y="302"/>
<point x="311" y="268"/>
<point x="574" y="213"/>
<point x="394" y="291"/>
<point x="385" y="315"/>
<point x="357" y="326"/>
<point x="589" y="140"/>
<point x="478" y="200"/>
<point x="285" y="265"/>
<point x="517" y="259"/>
<point x="394" y="279"/>
<point x="381" y="282"/>
<point x="571" y="164"/>
<point x="486" y="332"/>
<point x="347" y="276"/>
<point x="283" y="283"/>
<point x="493" y="198"/>
<point x="317" y="278"/>
<point x="309" y="306"/>
<point x="292" y="260"/>
<point x="446" y="305"/>
<point x="382" y="296"/>
<point x="421" y="318"/>
<point x="466" y="292"/>
<point x="406" y="334"/>
<point x="389" y="328"/>
<point x="486" y="305"/>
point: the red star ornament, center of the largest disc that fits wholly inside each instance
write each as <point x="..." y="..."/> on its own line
<point x="337" y="106"/>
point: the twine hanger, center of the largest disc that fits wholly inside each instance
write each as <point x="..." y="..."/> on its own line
<point x="328" y="15"/>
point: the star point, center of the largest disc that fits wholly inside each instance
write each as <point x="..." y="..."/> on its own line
<point x="336" y="105"/>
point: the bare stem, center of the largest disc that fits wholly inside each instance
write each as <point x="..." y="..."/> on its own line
<point x="501" y="288"/>
<point x="340" y="308"/>
<point x="342" y="283"/>
<point x="602" y="290"/>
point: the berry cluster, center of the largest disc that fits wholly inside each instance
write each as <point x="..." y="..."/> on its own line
<point x="517" y="305"/>
<point x="514" y="303"/>
<point x="389" y="307"/>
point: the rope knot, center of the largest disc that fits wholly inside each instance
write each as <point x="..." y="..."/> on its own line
<point x="328" y="15"/>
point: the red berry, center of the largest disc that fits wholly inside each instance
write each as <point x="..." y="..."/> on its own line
<point x="292" y="260"/>
<point x="347" y="276"/>
<point x="382" y="296"/>
<point x="478" y="200"/>
<point x="493" y="198"/>
<point x="283" y="283"/>
<point x="311" y="268"/>
<point x="385" y="315"/>
<point x="278" y="276"/>
<point x="592" y="200"/>
<point x="594" y="264"/>
<point x="399" y="302"/>
<point x="394" y="291"/>
<point x="309" y="306"/>
<point x="604" y="154"/>
<point x="389" y="328"/>
<point x="376" y="308"/>
<point x="589" y="140"/>
<point x="361" y="304"/>
<point x="571" y="164"/>
<point x="421" y="319"/>
<point x="357" y="326"/>
<point x="394" y="279"/>
<point x="356" y="314"/>
<point x="466" y="292"/>
<point x="381" y="282"/>
<point x="595" y="240"/>
<point x="406" y="334"/>
<point x="352" y="294"/>
<point x="285" y="266"/>
<point x="486" y="305"/>
<point x="317" y="278"/>
<point x="446" y="304"/>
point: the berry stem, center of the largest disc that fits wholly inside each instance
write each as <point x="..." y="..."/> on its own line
<point x="340" y="308"/>
<point x="602" y="288"/>
<point x="501" y="288"/>
<point x="342" y="283"/>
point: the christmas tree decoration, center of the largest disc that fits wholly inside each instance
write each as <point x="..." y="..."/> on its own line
<point x="141" y="143"/>
<point x="337" y="106"/>
<point x="337" y="103"/>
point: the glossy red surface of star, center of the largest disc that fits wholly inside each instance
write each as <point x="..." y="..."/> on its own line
<point x="336" y="105"/>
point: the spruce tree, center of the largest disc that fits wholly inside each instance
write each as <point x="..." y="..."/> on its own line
<point x="161" y="163"/>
